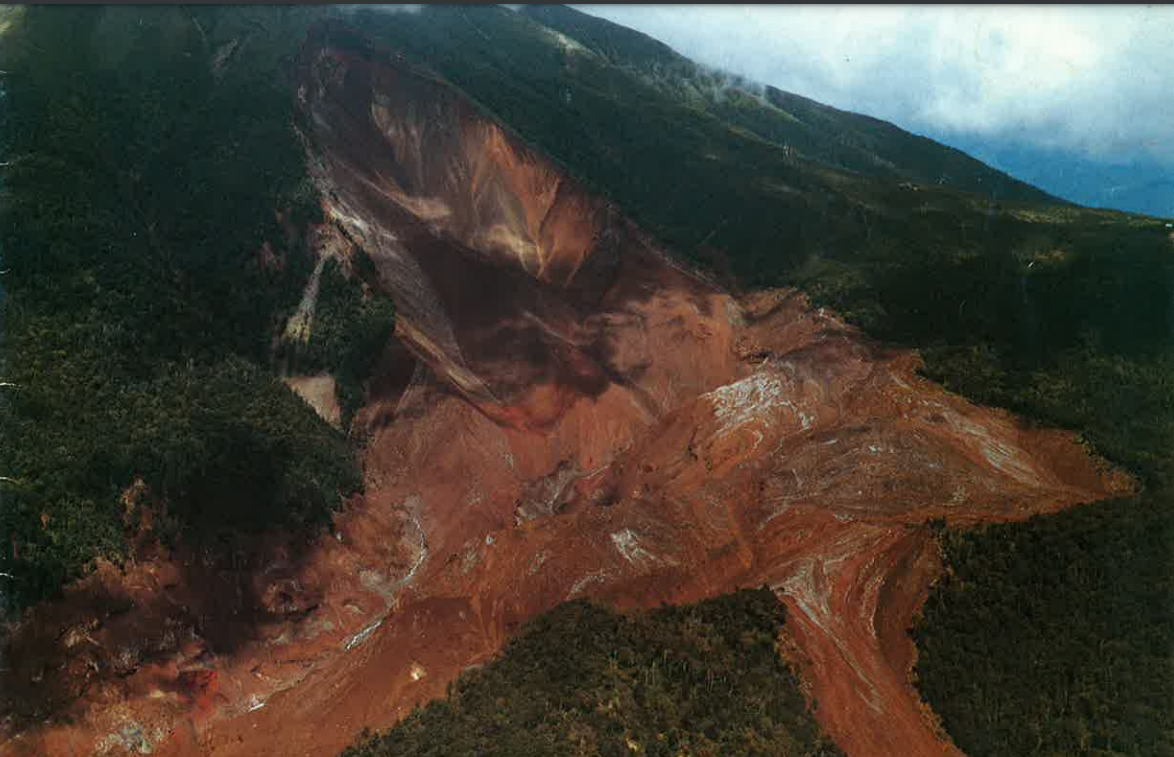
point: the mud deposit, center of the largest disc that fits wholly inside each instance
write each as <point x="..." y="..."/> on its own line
<point x="585" y="419"/>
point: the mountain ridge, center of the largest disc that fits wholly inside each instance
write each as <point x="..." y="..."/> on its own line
<point x="950" y="164"/>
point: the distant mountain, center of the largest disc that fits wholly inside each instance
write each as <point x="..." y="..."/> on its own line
<point x="1140" y="185"/>
<point x="1137" y="186"/>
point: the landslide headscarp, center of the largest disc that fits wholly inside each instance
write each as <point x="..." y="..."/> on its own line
<point x="587" y="419"/>
<point x="481" y="240"/>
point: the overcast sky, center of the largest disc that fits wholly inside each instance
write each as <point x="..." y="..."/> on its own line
<point x="1095" y="81"/>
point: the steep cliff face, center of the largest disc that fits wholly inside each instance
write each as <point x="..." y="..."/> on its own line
<point x="585" y="419"/>
<point x="502" y="268"/>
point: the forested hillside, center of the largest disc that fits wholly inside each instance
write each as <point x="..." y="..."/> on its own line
<point x="151" y="154"/>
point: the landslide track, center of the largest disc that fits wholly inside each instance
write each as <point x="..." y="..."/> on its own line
<point x="585" y="418"/>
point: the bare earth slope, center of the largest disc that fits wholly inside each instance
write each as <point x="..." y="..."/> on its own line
<point x="586" y="419"/>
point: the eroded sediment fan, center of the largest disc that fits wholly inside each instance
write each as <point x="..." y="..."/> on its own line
<point x="586" y="420"/>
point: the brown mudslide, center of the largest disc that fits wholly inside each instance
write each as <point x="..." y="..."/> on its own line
<point x="585" y="419"/>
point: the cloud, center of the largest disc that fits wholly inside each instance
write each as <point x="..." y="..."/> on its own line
<point x="1097" y="81"/>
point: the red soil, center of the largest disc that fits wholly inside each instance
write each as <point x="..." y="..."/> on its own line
<point x="585" y="419"/>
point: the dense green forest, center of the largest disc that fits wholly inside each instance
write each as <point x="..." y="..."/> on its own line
<point x="705" y="680"/>
<point x="152" y="153"/>
<point x="1074" y="659"/>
